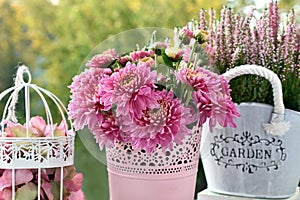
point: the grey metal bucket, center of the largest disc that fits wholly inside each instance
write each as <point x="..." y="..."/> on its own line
<point x="261" y="157"/>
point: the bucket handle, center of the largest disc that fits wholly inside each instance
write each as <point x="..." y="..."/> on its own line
<point x="277" y="125"/>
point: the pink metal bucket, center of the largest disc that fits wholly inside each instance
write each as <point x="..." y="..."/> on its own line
<point x="169" y="175"/>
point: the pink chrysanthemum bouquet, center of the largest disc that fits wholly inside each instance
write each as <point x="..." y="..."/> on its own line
<point x="150" y="97"/>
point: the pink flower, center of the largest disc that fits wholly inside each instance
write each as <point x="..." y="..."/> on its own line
<point x="144" y="98"/>
<point x="14" y="130"/>
<point x="137" y="55"/>
<point x="37" y="128"/>
<point x="196" y="79"/>
<point x="186" y="35"/>
<point x="26" y="183"/>
<point x="108" y="132"/>
<point x="103" y="60"/>
<point x="46" y="186"/>
<point x="211" y="95"/>
<point x="75" y="183"/>
<point x="159" y="126"/>
<point x="159" y="45"/>
<point x="22" y="176"/>
<point x="161" y="78"/>
<point x="78" y="195"/>
<point x="224" y="86"/>
<point x="129" y="85"/>
<point x="215" y="104"/>
<point x="84" y="106"/>
<point x="174" y="53"/>
<point x="211" y="50"/>
<point x="148" y="61"/>
<point x="186" y="54"/>
<point x="124" y="59"/>
<point x="5" y="194"/>
<point x="105" y="93"/>
<point x="72" y="182"/>
<point x="204" y="106"/>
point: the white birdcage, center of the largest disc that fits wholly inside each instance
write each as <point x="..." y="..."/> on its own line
<point x="34" y="152"/>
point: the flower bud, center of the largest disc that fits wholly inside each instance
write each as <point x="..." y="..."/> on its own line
<point x="201" y="36"/>
<point x="174" y="52"/>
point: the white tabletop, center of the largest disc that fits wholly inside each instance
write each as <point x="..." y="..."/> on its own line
<point x="208" y="195"/>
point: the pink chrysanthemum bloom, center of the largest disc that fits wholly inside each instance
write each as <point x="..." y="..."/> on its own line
<point x="144" y="98"/>
<point x="204" y="106"/>
<point x="211" y="95"/>
<point x="159" y="126"/>
<point x="148" y="61"/>
<point x="130" y="89"/>
<point x="124" y="59"/>
<point x="200" y="79"/>
<point x="224" y="86"/>
<point x="103" y="60"/>
<point x="108" y="132"/>
<point x="215" y="102"/>
<point x="84" y="106"/>
<point x="106" y="92"/>
<point x="218" y="109"/>
<point x="137" y="55"/>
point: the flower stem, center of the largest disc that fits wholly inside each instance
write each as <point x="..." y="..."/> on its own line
<point x="191" y="55"/>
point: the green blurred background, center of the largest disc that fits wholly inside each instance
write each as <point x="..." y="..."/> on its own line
<point x="54" y="37"/>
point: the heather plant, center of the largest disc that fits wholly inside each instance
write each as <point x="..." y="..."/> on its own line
<point x="235" y="40"/>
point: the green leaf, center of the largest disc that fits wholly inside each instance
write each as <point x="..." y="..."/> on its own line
<point x="167" y="60"/>
<point x="28" y="191"/>
<point x="55" y="189"/>
<point x="19" y="130"/>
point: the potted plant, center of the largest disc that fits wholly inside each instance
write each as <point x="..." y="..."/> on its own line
<point x="36" y="158"/>
<point x="263" y="150"/>
<point x="147" y="106"/>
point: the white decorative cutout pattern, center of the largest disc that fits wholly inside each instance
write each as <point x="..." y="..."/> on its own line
<point x="184" y="157"/>
<point x="36" y="152"/>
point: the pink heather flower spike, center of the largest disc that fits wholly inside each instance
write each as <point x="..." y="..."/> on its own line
<point x="202" y="20"/>
<point x="229" y="29"/>
<point x="274" y="19"/>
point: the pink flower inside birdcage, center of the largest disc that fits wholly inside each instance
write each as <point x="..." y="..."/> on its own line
<point x="36" y="157"/>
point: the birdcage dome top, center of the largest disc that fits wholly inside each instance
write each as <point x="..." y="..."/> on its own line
<point x="39" y="142"/>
